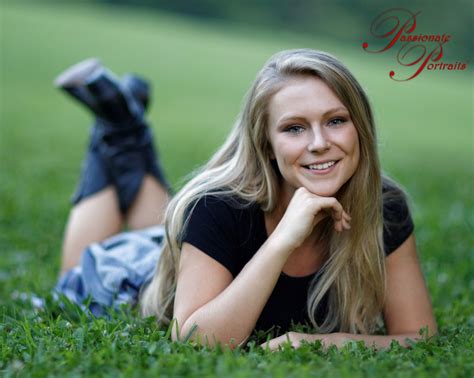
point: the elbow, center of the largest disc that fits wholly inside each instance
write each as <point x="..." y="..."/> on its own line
<point x="181" y="330"/>
<point x="226" y="343"/>
<point x="190" y="331"/>
<point x="210" y="340"/>
<point x="424" y="333"/>
<point x="428" y="330"/>
<point x="431" y="330"/>
<point x="418" y="329"/>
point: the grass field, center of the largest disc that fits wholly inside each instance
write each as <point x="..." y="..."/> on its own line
<point x="200" y="73"/>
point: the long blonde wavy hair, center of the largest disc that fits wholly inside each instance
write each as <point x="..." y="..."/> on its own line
<point x="353" y="275"/>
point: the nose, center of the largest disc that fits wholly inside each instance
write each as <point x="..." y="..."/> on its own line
<point x="318" y="141"/>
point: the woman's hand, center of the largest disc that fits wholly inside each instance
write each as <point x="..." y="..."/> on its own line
<point x="340" y="339"/>
<point x="295" y="339"/>
<point x="305" y="211"/>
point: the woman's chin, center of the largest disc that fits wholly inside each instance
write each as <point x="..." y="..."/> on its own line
<point x="322" y="192"/>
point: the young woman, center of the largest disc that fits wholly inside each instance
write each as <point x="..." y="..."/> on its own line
<point x="290" y="221"/>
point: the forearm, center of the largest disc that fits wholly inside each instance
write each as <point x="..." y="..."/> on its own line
<point x="377" y="341"/>
<point x="234" y="312"/>
<point x="340" y="339"/>
<point x="382" y="341"/>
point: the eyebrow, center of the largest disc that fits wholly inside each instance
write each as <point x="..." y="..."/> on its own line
<point x="325" y="114"/>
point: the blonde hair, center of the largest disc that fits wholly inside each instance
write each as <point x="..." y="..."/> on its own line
<point x="354" y="272"/>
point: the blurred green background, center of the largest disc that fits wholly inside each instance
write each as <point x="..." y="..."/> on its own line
<point x="200" y="68"/>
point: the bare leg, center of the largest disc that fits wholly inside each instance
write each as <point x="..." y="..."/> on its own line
<point x="94" y="219"/>
<point x="148" y="208"/>
<point x="120" y="152"/>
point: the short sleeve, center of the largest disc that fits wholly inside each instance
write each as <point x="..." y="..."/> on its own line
<point x="211" y="228"/>
<point x="398" y="223"/>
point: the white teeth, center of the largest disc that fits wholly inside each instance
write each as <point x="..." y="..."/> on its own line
<point x="322" y="166"/>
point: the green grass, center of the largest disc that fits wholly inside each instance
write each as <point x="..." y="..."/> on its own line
<point x="200" y="73"/>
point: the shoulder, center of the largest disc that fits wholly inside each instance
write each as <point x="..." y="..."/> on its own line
<point x="213" y="226"/>
<point x="397" y="220"/>
<point x="218" y="211"/>
<point x="217" y="203"/>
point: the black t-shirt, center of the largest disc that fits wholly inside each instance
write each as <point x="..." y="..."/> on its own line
<point x="231" y="234"/>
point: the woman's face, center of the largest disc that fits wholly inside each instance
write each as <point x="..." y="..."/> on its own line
<point x="312" y="136"/>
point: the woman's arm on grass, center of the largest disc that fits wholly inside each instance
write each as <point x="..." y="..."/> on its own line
<point x="407" y="306"/>
<point x="339" y="339"/>
<point x="227" y="310"/>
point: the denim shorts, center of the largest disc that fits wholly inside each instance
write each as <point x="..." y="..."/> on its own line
<point x="114" y="271"/>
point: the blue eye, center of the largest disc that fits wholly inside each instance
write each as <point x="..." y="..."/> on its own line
<point x="336" y="121"/>
<point x="294" y="129"/>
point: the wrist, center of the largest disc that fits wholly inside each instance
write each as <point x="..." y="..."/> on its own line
<point x="280" y="243"/>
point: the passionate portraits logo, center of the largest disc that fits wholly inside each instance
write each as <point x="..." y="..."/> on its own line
<point x="396" y="28"/>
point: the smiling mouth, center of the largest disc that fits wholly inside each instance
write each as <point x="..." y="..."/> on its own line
<point x="322" y="166"/>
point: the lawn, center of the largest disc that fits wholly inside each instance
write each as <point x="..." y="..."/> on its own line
<point x="200" y="73"/>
